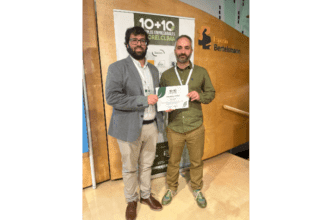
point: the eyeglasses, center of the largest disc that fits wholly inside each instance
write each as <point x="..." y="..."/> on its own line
<point x="134" y="41"/>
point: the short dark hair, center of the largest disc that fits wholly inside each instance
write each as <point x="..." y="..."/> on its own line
<point x="135" y="31"/>
<point x="182" y="36"/>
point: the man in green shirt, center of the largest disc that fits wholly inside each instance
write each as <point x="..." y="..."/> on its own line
<point x="186" y="125"/>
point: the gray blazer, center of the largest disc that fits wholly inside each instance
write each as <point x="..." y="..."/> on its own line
<point x="124" y="92"/>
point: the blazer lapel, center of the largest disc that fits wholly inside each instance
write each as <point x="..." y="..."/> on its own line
<point x="134" y="72"/>
<point x="153" y="77"/>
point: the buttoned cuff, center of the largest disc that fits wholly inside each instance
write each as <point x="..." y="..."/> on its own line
<point x="200" y="97"/>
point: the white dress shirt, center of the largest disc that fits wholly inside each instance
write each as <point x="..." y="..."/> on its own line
<point x="148" y="87"/>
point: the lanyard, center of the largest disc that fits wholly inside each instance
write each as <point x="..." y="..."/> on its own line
<point x="146" y="87"/>
<point x="140" y="73"/>
<point x="177" y="74"/>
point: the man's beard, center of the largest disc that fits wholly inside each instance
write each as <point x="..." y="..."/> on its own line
<point x="136" y="56"/>
<point x="182" y="59"/>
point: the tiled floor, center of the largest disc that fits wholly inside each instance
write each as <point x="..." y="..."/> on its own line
<point x="226" y="188"/>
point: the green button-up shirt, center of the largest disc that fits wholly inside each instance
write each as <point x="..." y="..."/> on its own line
<point x="188" y="119"/>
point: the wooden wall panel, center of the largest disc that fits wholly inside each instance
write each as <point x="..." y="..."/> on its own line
<point x="229" y="72"/>
<point x="87" y="176"/>
<point x="95" y="98"/>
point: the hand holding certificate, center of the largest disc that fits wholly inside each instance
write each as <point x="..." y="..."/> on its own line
<point x="172" y="97"/>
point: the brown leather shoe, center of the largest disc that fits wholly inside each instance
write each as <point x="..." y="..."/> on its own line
<point x="131" y="210"/>
<point x="152" y="203"/>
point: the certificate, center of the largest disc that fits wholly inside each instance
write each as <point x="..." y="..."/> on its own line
<point x="172" y="97"/>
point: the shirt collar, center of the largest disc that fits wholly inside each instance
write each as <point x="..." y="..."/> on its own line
<point x="138" y="62"/>
<point x="188" y="67"/>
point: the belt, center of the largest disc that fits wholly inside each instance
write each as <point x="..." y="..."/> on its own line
<point x="148" y="122"/>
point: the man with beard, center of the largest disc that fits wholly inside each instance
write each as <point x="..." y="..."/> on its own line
<point x="186" y="125"/>
<point x="135" y="121"/>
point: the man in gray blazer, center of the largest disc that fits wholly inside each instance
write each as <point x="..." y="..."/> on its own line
<point x="135" y="122"/>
